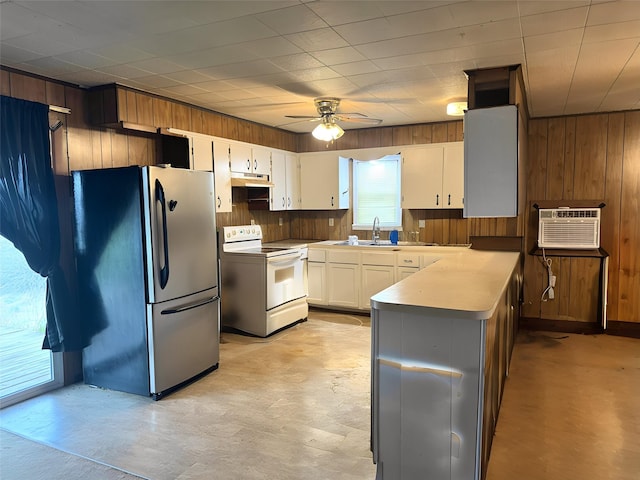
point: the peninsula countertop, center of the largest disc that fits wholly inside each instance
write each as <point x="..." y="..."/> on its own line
<point x="464" y="283"/>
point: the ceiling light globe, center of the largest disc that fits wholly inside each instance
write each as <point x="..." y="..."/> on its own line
<point x="327" y="132"/>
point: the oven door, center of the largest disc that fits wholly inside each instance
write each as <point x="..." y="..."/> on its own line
<point x="285" y="278"/>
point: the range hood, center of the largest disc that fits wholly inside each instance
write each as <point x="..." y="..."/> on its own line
<point x="241" y="180"/>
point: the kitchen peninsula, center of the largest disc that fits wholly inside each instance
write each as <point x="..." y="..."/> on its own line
<point x="441" y="345"/>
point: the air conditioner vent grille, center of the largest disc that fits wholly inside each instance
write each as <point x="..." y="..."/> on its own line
<point x="569" y="228"/>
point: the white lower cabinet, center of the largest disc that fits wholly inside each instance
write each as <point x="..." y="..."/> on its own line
<point x="343" y="278"/>
<point x="348" y="277"/>
<point x="317" y="277"/>
<point x="375" y="278"/>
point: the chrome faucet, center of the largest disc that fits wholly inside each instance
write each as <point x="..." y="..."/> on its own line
<point x="375" y="231"/>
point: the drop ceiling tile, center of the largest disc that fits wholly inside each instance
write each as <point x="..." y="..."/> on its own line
<point x="554" y="21"/>
<point x="157" y="65"/>
<point x="320" y="39"/>
<point x="614" y="12"/>
<point x="355" y="68"/>
<point x="119" y="53"/>
<point x="533" y="7"/>
<point x="291" y="20"/>
<point x="12" y="55"/>
<point x="242" y="69"/>
<point x="348" y="12"/>
<point x="612" y="31"/>
<point x="86" y="59"/>
<point x="213" y="56"/>
<point x="333" y="87"/>
<point x="298" y="61"/>
<point x="183" y="89"/>
<point x="125" y="71"/>
<point x="336" y="56"/>
<point x="90" y="78"/>
<point x="550" y="41"/>
<point x="216" y="85"/>
<point x="270" y="47"/>
<point x="188" y="76"/>
<point x="54" y="65"/>
<point x="311" y="74"/>
<point x="156" y="81"/>
<point x="41" y="44"/>
<point x="476" y="13"/>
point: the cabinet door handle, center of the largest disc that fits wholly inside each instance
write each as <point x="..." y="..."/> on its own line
<point x="332" y="201"/>
<point x="255" y="164"/>
<point x="437" y="199"/>
<point x="282" y="202"/>
<point x="219" y="201"/>
<point x="248" y="164"/>
<point x="408" y="261"/>
<point x="288" y="201"/>
<point x="449" y="200"/>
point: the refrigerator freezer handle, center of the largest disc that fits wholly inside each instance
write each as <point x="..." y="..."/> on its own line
<point x="169" y="311"/>
<point x="164" y="271"/>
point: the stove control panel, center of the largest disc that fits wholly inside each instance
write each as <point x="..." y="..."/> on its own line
<point x="242" y="233"/>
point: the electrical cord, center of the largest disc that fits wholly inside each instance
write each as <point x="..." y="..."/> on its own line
<point x="551" y="279"/>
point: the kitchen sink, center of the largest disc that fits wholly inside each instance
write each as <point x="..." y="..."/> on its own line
<point x="387" y="243"/>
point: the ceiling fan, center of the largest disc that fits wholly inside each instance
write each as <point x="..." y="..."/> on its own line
<point x="327" y="114"/>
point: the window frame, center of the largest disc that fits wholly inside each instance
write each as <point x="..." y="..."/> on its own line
<point x="384" y="225"/>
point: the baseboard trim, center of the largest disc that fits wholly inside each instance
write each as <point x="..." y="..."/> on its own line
<point x="623" y="329"/>
<point x="565" y="326"/>
<point x="614" y="327"/>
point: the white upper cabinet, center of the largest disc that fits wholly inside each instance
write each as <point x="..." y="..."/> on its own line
<point x="222" y="174"/>
<point x="293" y="181"/>
<point x="285" y="194"/>
<point x="201" y="152"/>
<point x="324" y="181"/>
<point x="422" y="177"/>
<point x="453" y="176"/>
<point x="278" y="193"/>
<point x="247" y="159"/>
<point x="432" y="176"/>
<point x="241" y="158"/>
<point x="491" y="162"/>
<point x="261" y="161"/>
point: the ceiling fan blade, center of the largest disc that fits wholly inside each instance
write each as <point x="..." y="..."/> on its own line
<point x="305" y="119"/>
<point x="370" y="121"/>
<point x="304" y="116"/>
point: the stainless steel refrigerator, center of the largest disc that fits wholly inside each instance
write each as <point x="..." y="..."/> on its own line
<point x="146" y="256"/>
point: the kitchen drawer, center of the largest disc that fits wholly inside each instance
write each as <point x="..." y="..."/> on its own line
<point x="351" y="256"/>
<point x="427" y="260"/>
<point x="378" y="258"/>
<point x="317" y="255"/>
<point x="408" y="259"/>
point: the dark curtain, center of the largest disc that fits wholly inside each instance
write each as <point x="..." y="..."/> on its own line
<point x="29" y="211"/>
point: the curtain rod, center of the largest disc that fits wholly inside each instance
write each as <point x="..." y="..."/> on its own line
<point x="56" y="108"/>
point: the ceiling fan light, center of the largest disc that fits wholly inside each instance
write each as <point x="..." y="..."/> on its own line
<point x="327" y="131"/>
<point x="456" y="109"/>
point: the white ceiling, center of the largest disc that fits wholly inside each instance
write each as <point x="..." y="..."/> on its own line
<point x="400" y="61"/>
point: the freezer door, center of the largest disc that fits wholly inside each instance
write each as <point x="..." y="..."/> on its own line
<point x="184" y="338"/>
<point x="180" y="232"/>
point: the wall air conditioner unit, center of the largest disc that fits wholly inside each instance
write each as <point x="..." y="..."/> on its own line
<point x="577" y="228"/>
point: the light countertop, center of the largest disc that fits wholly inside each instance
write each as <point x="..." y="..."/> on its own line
<point x="464" y="283"/>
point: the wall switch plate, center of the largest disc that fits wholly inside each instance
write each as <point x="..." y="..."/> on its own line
<point x="331" y="222"/>
<point x="280" y="221"/>
<point x="421" y="223"/>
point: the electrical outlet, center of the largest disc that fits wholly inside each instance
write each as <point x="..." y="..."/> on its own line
<point x="421" y="223"/>
<point x="253" y="222"/>
<point x="280" y="222"/>
<point x="331" y="222"/>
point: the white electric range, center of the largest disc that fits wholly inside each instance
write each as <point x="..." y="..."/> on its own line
<point x="262" y="288"/>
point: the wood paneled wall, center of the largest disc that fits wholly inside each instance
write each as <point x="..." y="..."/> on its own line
<point x="587" y="157"/>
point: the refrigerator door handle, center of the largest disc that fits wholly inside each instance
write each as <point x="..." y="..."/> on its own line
<point x="164" y="271"/>
<point x="184" y="308"/>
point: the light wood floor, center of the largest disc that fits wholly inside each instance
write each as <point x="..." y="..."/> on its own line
<point x="296" y="406"/>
